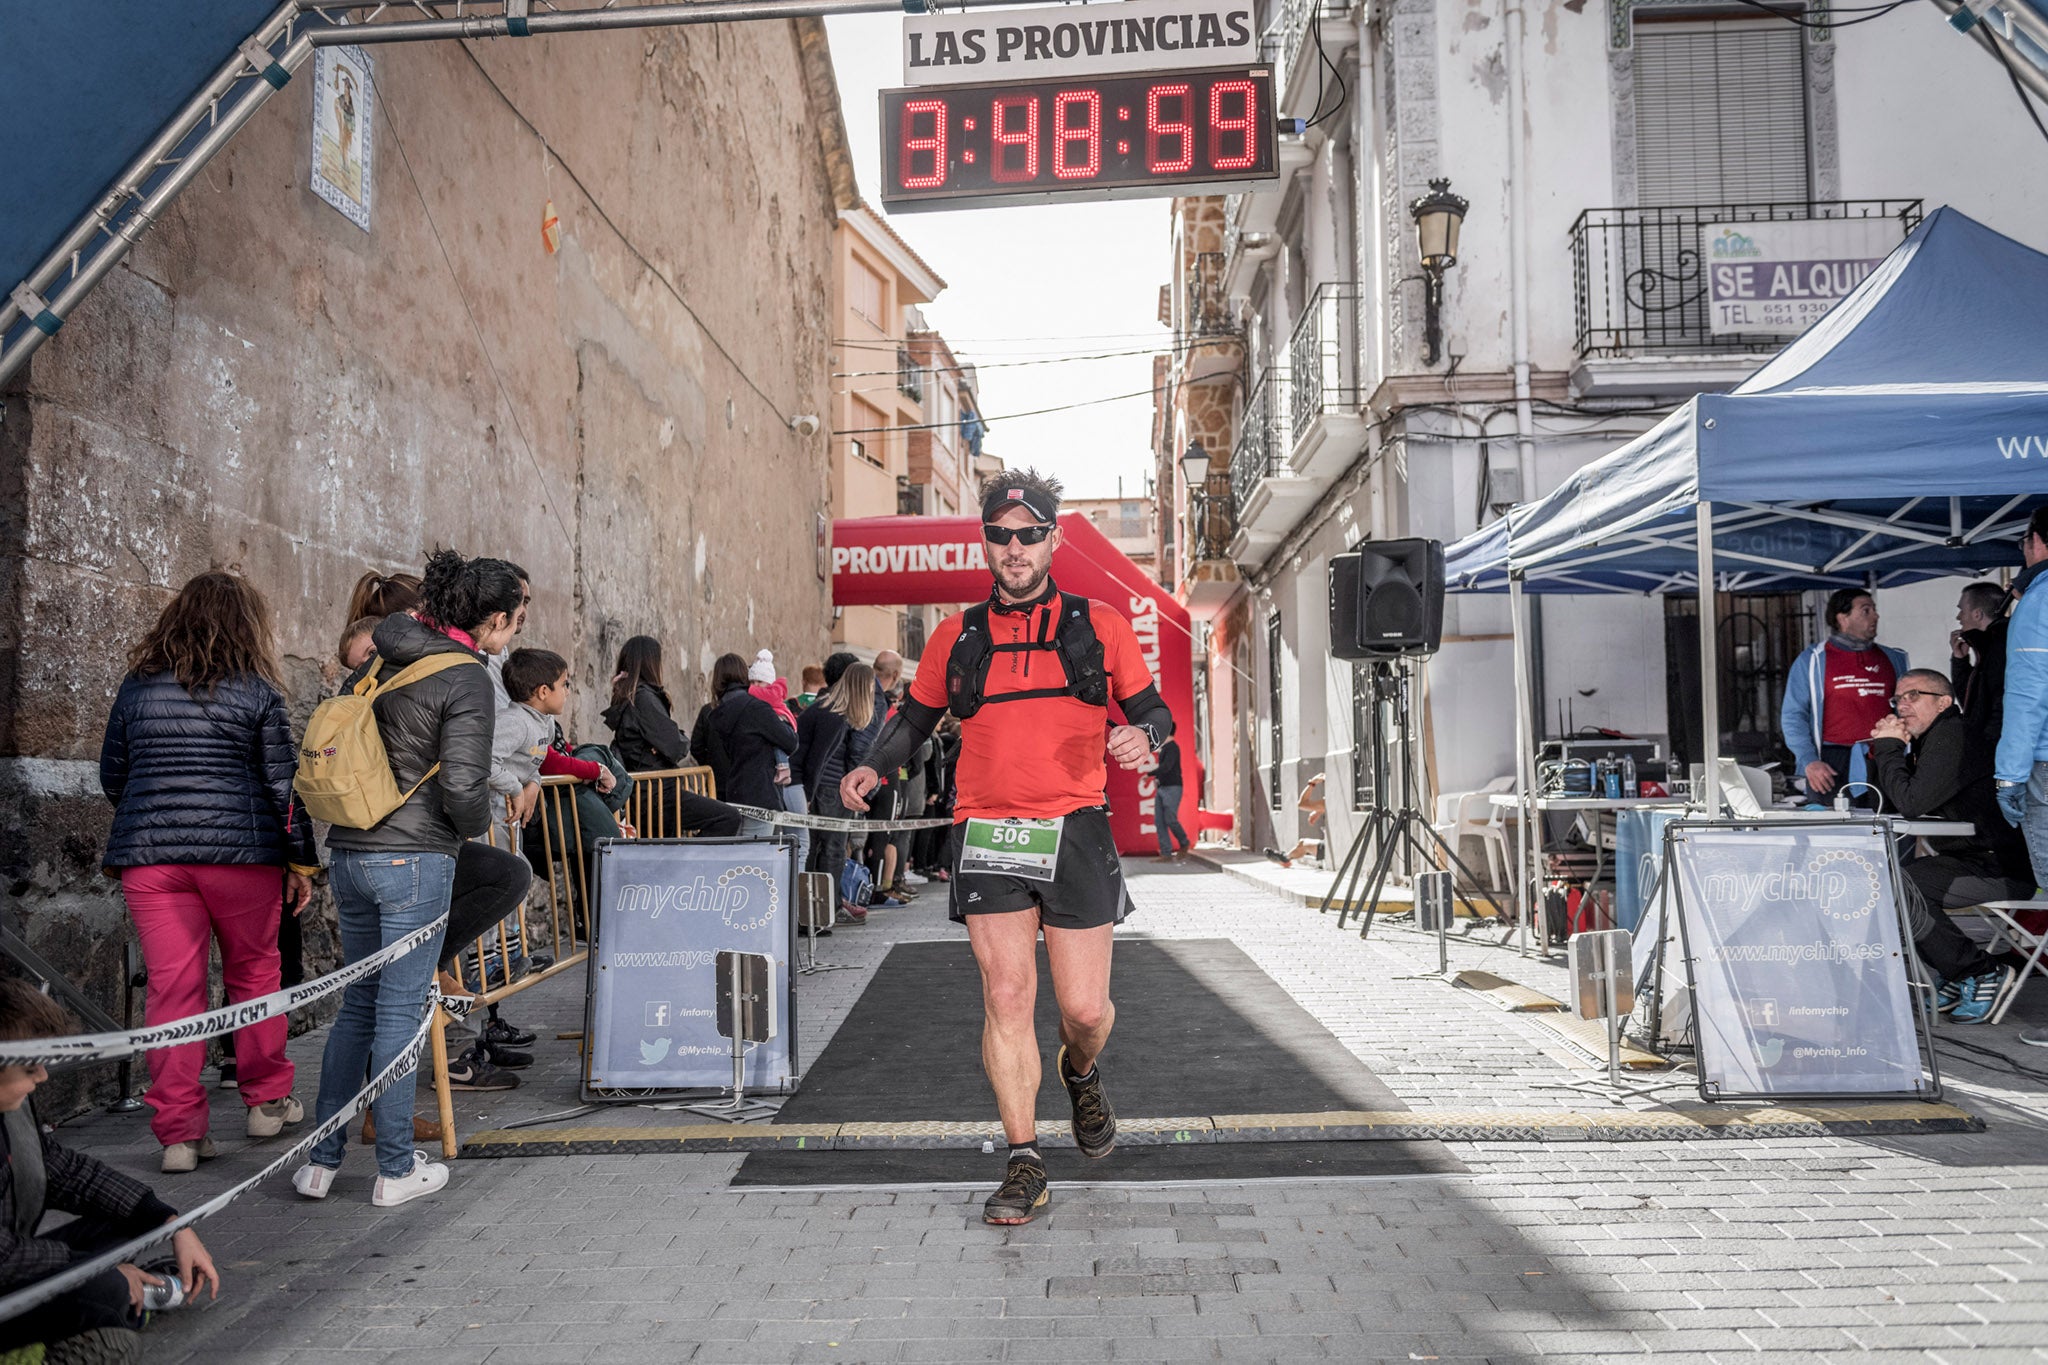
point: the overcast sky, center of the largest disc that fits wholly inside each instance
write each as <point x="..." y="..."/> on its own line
<point x="1029" y="283"/>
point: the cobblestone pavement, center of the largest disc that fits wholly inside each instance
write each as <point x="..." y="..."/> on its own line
<point x="1914" y="1248"/>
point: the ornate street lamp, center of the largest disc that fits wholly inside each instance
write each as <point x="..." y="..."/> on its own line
<point x="1194" y="463"/>
<point x="1438" y="216"/>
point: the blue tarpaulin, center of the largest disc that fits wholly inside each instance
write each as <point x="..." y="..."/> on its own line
<point x="1902" y="436"/>
<point x="90" y="85"/>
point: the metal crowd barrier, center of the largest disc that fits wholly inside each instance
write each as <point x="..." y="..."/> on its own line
<point x="567" y="890"/>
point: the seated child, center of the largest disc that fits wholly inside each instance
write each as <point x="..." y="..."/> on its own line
<point x="527" y="743"/>
<point x="100" y="1320"/>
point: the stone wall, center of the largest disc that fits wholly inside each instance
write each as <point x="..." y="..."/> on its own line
<point x="265" y="386"/>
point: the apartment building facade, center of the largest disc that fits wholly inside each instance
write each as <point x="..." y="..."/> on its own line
<point x="1589" y="145"/>
<point x="879" y="392"/>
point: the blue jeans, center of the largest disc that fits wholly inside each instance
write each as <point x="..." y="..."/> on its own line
<point x="1166" y="821"/>
<point x="2034" y="824"/>
<point x="794" y="801"/>
<point x="380" y="898"/>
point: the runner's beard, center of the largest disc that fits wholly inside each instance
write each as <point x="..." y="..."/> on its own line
<point x="1031" y="587"/>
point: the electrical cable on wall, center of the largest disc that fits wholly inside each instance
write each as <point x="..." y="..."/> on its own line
<point x="1007" y="417"/>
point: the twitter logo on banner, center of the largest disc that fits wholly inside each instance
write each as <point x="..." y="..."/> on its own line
<point x="652" y="1053"/>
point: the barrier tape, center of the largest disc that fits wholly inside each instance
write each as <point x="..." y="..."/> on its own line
<point x="42" y="1291"/>
<point x="91" y="1047"/>
<point x="835" y="823"/>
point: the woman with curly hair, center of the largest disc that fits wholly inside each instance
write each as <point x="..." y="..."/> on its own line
<point x="208" y="841"/>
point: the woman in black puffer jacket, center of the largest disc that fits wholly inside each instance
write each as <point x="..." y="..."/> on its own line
<point x="742" y="739"/>
<point x="396" y="877"/>
<point x="208" y="842"/>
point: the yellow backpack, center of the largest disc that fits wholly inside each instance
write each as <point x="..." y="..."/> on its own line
<point x="344" y="774"/>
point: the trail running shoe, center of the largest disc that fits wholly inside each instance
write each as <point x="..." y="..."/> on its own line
<point x="1021" y="1197"/>
<point x="1981" y="995"/>
<point x="1094" y="1119"/>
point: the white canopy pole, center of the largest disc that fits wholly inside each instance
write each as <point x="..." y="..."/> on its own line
<point x="1525" y="741"/>
<point x="1710" y="671"/>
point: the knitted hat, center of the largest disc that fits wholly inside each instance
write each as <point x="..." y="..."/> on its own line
<point x="762" y="670"/>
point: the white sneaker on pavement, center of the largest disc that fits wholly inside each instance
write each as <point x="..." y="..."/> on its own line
<point x="915" y="879"/>
<point x="267" y="1120"/>
<point x="427" y="1177"/>
<point x="2034" y="1037"/>
<point x="313" y="1181"/>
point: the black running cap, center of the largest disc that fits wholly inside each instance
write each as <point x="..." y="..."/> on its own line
<point x="1045" y="508"/>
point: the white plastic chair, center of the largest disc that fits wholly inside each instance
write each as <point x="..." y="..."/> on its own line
<point x="1459" y="814"/>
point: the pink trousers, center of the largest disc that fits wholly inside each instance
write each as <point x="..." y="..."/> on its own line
<point x="179" y="908"/>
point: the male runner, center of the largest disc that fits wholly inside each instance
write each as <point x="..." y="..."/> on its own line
<point x="1031" y="679"/>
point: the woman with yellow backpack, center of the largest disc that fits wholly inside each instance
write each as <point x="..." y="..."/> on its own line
<point x="400" y="763"/>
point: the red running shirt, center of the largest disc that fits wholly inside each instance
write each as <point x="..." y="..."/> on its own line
<point x="1858" y="693"/>
<point x="1044" y="757"/>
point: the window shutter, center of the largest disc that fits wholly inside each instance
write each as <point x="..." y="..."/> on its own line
<point x="1720" y="112"/>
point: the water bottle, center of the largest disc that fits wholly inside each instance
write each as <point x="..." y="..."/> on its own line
<point x="1628" y="776"/>
<point x="159" y="1298"/>
<point x="1610" y="778"/>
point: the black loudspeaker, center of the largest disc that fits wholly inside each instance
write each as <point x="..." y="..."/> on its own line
<point x="1387" y="599"/>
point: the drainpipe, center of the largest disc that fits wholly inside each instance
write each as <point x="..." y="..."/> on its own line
<point x="1365" y="230"/>
<point x="1518" y="249"/>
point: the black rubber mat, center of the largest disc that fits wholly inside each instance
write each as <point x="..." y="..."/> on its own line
<point x="1200" y="1030"/>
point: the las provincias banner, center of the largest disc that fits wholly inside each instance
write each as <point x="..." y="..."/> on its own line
<point x="912" y="561"/>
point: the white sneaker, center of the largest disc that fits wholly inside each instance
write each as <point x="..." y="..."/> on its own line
<point x="313" y="1181"/>
<point x="426" y="1178"/>
<point x="915" y="879"/>
<point x="268" y="1120"/>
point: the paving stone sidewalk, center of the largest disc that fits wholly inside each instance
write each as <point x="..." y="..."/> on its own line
<point x="1912" y="1248"/>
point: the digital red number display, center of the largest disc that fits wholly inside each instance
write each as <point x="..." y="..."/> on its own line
<point x="1114" y="137"/>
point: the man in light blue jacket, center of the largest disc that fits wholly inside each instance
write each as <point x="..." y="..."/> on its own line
<point x="1836" y="693"/>
<point x="2023" y="745"/>
<point x="2022" y="766"/>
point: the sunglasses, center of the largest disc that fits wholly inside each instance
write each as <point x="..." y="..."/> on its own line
<point x="1003" y="535"/>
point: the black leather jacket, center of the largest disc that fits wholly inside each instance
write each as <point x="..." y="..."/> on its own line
<point x="444" y="719"/>
<point x="205" y="780"/>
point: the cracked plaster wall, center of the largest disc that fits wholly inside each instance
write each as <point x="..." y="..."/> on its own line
<point x="263" y="385"/>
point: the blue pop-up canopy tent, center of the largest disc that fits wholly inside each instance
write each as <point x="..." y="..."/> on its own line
<point x="1903" y="436"/>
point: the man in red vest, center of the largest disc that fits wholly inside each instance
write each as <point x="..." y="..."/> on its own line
<point x="1031" y="673"/>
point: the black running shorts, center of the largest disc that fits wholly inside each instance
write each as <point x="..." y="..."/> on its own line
<point x="1086" y="891"/>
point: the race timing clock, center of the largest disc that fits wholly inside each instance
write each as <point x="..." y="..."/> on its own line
<point x="1180" y="132"/>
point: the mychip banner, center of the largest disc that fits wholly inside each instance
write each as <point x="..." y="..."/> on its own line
<point x="665" y="909"/>
<point x="1798" y="967"/>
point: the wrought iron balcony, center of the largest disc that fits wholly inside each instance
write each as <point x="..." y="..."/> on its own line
<point x="1281" y="43"/>
<point x="1323" y="356"/>
<point x="1263" y="438"/>
<point x="1208" y="312"/>
<point x="1640" y="280"/>
<point x="909" y="375"/>
<point x="1212" y="521"/>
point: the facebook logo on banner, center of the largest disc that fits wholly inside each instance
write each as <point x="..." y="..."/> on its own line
<point x="657" y="1014"/>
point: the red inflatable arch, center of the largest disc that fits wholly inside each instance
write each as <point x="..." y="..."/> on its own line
<point x="911" y="561"/>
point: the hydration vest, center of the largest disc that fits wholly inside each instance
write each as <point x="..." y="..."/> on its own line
<point x="1072" y="639"/>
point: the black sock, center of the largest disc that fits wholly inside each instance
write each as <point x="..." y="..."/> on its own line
<point x="1027" y="1151"/>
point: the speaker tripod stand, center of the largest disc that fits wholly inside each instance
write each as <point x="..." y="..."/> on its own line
<point x="1388" y="829"/>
